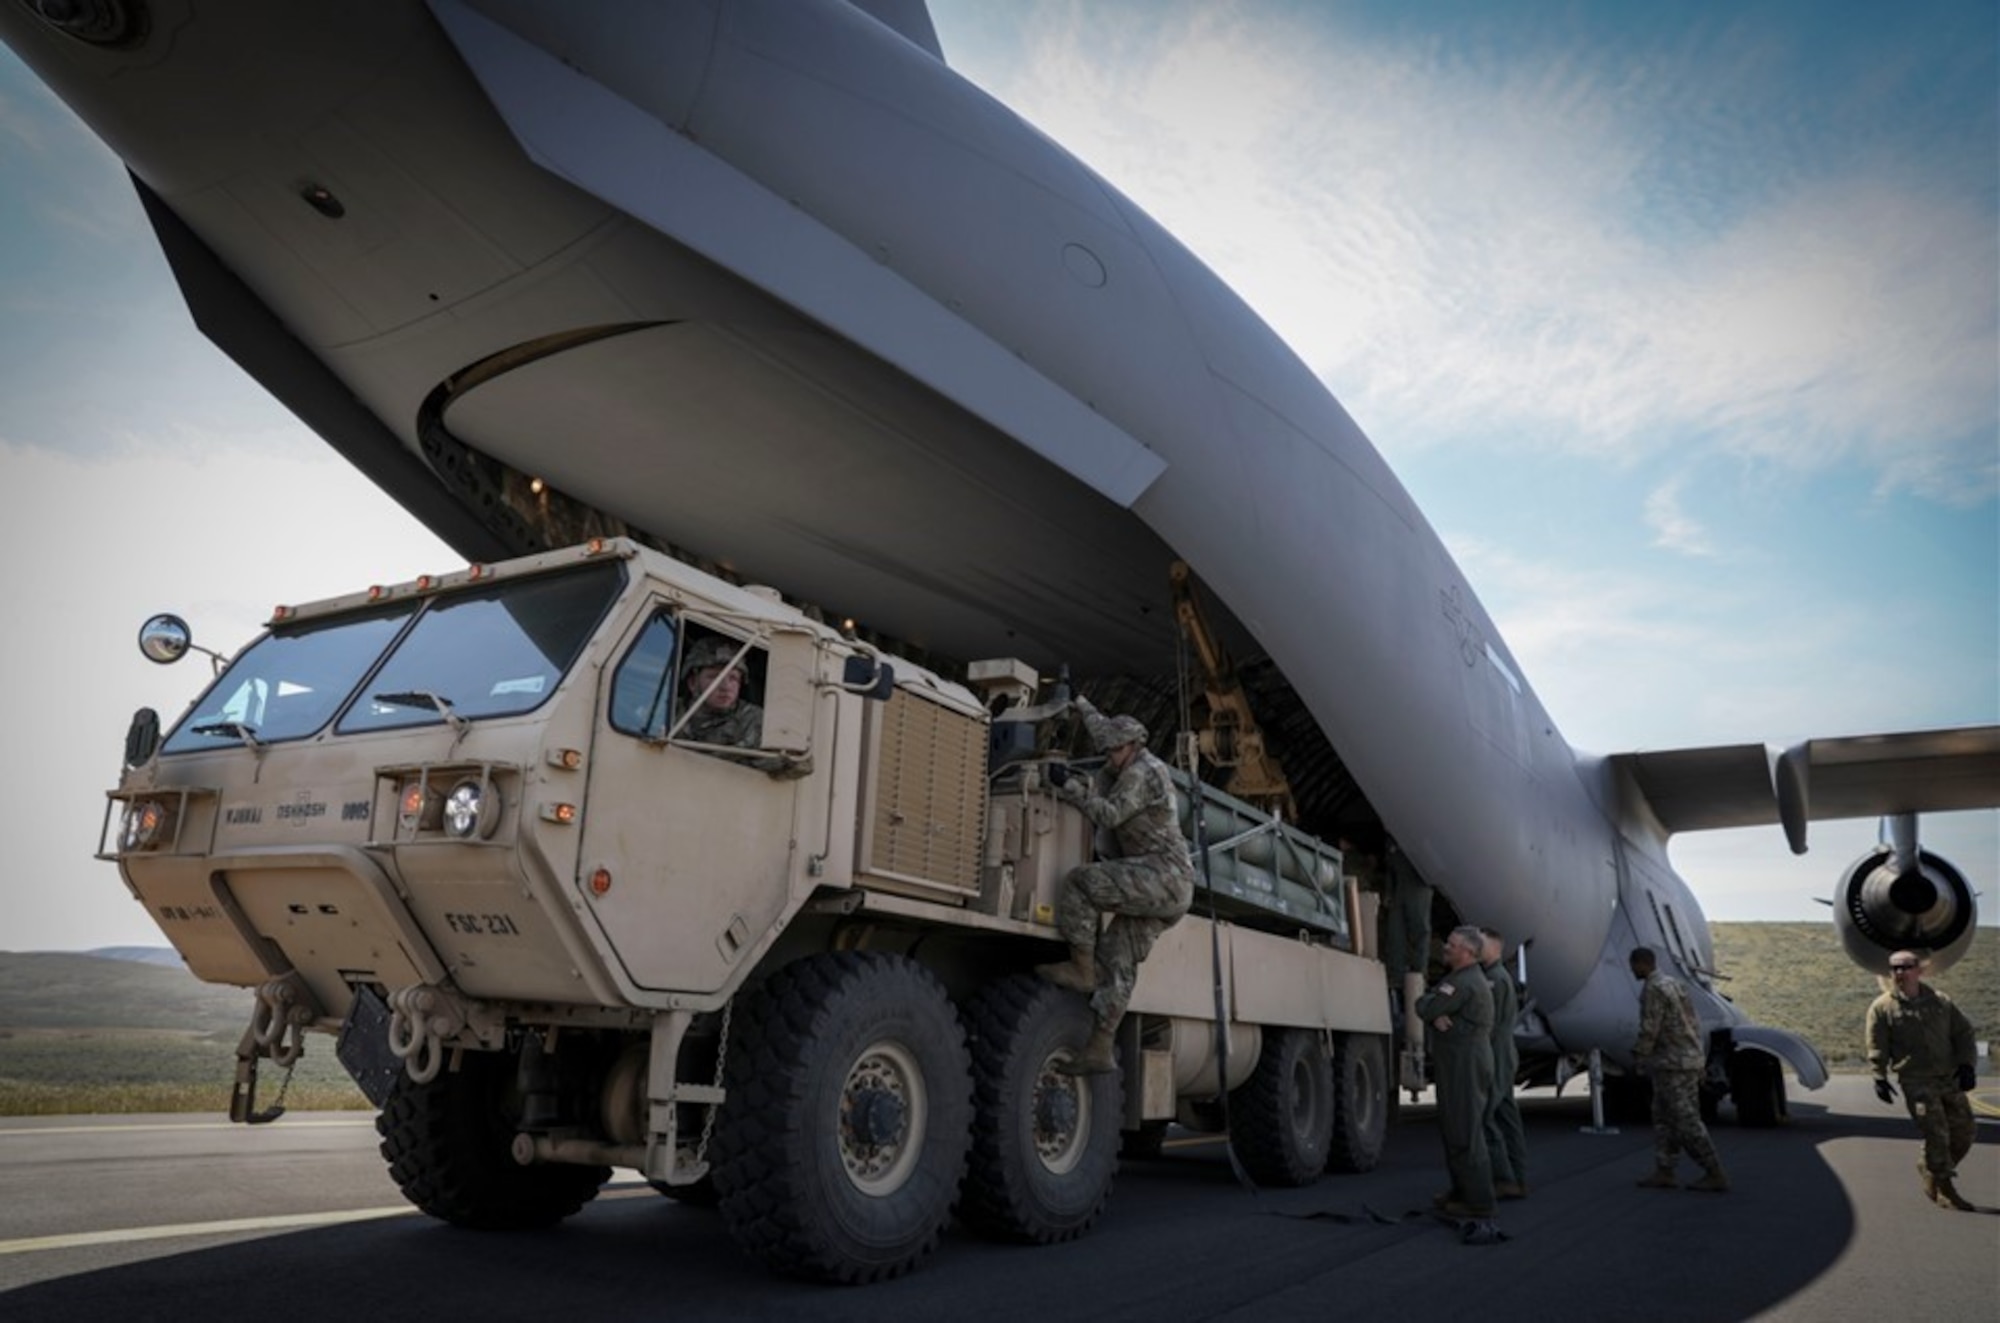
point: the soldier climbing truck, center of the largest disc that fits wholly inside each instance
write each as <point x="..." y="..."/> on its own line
<point x="456" y="824"/>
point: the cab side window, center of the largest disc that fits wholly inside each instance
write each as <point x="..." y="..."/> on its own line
<point x="642" y="690"/>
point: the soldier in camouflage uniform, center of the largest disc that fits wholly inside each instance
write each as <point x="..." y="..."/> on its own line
<point x="1145" y="889"/>
<point x="1670" y="1050"/>
<point x="1917" y="1032"/>
<point x="1459" y="1011"/>
<point x="724" y="716"/>
<point x="1506" y="1138"/>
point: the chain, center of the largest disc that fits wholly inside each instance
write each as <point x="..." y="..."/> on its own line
<point x="715" y="1108"/>
<point x="284" y="1085"/>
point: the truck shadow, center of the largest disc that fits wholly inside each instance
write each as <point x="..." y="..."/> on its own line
<point x="1180" y="1240"/>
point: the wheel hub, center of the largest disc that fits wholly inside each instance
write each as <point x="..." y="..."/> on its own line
<point x="1056" y="1111"/>
<point x="877" y="1117"/>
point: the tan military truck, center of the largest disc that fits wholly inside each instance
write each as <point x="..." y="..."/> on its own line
<point x="457" y="822"/>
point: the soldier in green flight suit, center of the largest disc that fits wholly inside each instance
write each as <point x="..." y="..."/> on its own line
<point x="1459" y="1011"/>
<point x="1506" y="1138"/>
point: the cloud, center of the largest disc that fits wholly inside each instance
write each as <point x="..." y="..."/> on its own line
<point x="1585" y="249"/>
<point x="1672" y="527"/>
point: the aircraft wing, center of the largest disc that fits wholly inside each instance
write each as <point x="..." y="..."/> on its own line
<point x="1857" y="776"/>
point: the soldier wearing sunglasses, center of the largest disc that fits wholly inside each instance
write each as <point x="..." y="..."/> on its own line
<point x="1917" y="1032"/>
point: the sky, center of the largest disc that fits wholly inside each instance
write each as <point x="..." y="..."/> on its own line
<point x="1678" y="321"/>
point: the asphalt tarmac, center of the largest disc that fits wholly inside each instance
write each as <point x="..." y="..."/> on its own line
<point x="184" y="1217"/>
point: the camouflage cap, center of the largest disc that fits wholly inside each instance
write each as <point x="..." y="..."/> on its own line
<point x="711" y="651"/>
<point x="1112" y="732"/>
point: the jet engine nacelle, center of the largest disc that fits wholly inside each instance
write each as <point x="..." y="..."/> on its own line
<point x="1883" y="907"/>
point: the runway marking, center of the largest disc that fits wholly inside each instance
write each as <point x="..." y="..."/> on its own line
<point x="174" y="1125"/>
<point x="286" y="1222"/>
<point x="78" y="1240"/>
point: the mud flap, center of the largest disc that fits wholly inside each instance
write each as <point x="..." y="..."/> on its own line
<point x="363" y="1046"/>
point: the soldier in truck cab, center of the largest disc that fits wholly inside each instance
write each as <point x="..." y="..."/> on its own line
<point x="723" y="715"/>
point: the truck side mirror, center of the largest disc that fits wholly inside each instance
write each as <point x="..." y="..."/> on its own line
<point x="165" y="639"/>
<point x="869" y="677"/>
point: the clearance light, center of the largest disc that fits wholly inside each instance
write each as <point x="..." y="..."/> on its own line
<point x="426" y="582"/>
<point x="567" y="759"/>
<point x="145" y="821"/>
<point x="600" y="882"/>
<point x="419" y="808"/>
<point x="282" y="612"/>
<point x="471" y="810"/>
<point x="594" y="547"/>
<point x="475" y="572"/>
<point x="376" y="592"/>
<point x="560" y="813"/>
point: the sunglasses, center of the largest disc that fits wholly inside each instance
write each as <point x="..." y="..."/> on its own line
<point x="1902" y="969"/>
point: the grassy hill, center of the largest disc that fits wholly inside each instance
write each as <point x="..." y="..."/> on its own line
<point x="1796" y="976"/>
<point x="88" y="1033"/>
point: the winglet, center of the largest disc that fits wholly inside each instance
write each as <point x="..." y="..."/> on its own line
<point x="1792" y="777"/>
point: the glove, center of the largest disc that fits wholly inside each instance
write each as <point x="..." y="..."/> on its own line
<point x="1885" y="1091"/>
<point x="1057" y="774"/>
<point x="1966" y="1079"/>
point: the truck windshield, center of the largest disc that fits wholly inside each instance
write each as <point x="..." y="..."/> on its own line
<point x="289" y="683"/>
<point x="495" y="652"/>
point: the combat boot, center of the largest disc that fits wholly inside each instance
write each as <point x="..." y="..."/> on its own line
<point x="1661" y="1179"/>
<point x="1096" y="1058"/>
<point x="1712" y="1182"/>
<point x="1930" y="1182"/>
<point x="1078" y="973"/>
<point x="1947" y="1196"/>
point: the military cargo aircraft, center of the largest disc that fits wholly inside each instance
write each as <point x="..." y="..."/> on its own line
<point x="766" y="284"/>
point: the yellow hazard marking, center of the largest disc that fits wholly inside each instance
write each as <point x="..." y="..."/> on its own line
<point x="1986" y="1102"/>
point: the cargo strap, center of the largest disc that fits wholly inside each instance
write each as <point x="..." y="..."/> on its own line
<point x="1191" y="752"/>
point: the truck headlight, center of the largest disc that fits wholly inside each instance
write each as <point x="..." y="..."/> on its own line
<point x="143" y="824"/>
<point x="471" y="810"/>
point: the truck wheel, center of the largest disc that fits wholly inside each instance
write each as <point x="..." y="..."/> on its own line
<point x="1045" y="1144"/>
<point x="842" y="1142"/>
<point x="1757" y="1083"/>
<point x="1363" y="1098"/>
<point x="1282" y="1116"/>
<point x="449" y="1147"/>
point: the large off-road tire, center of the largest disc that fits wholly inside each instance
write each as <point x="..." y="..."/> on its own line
<point x="1281" y="1118"/>
<point x="449" y="1148"/>
<point x="1045" y="1144"/>
<point x="842" y="1143"/>
<point x="1364" y="1099"/>
<point x="1757" y="1086"/>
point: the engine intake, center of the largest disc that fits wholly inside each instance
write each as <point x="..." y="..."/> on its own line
<point x="1881" y="908"/>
